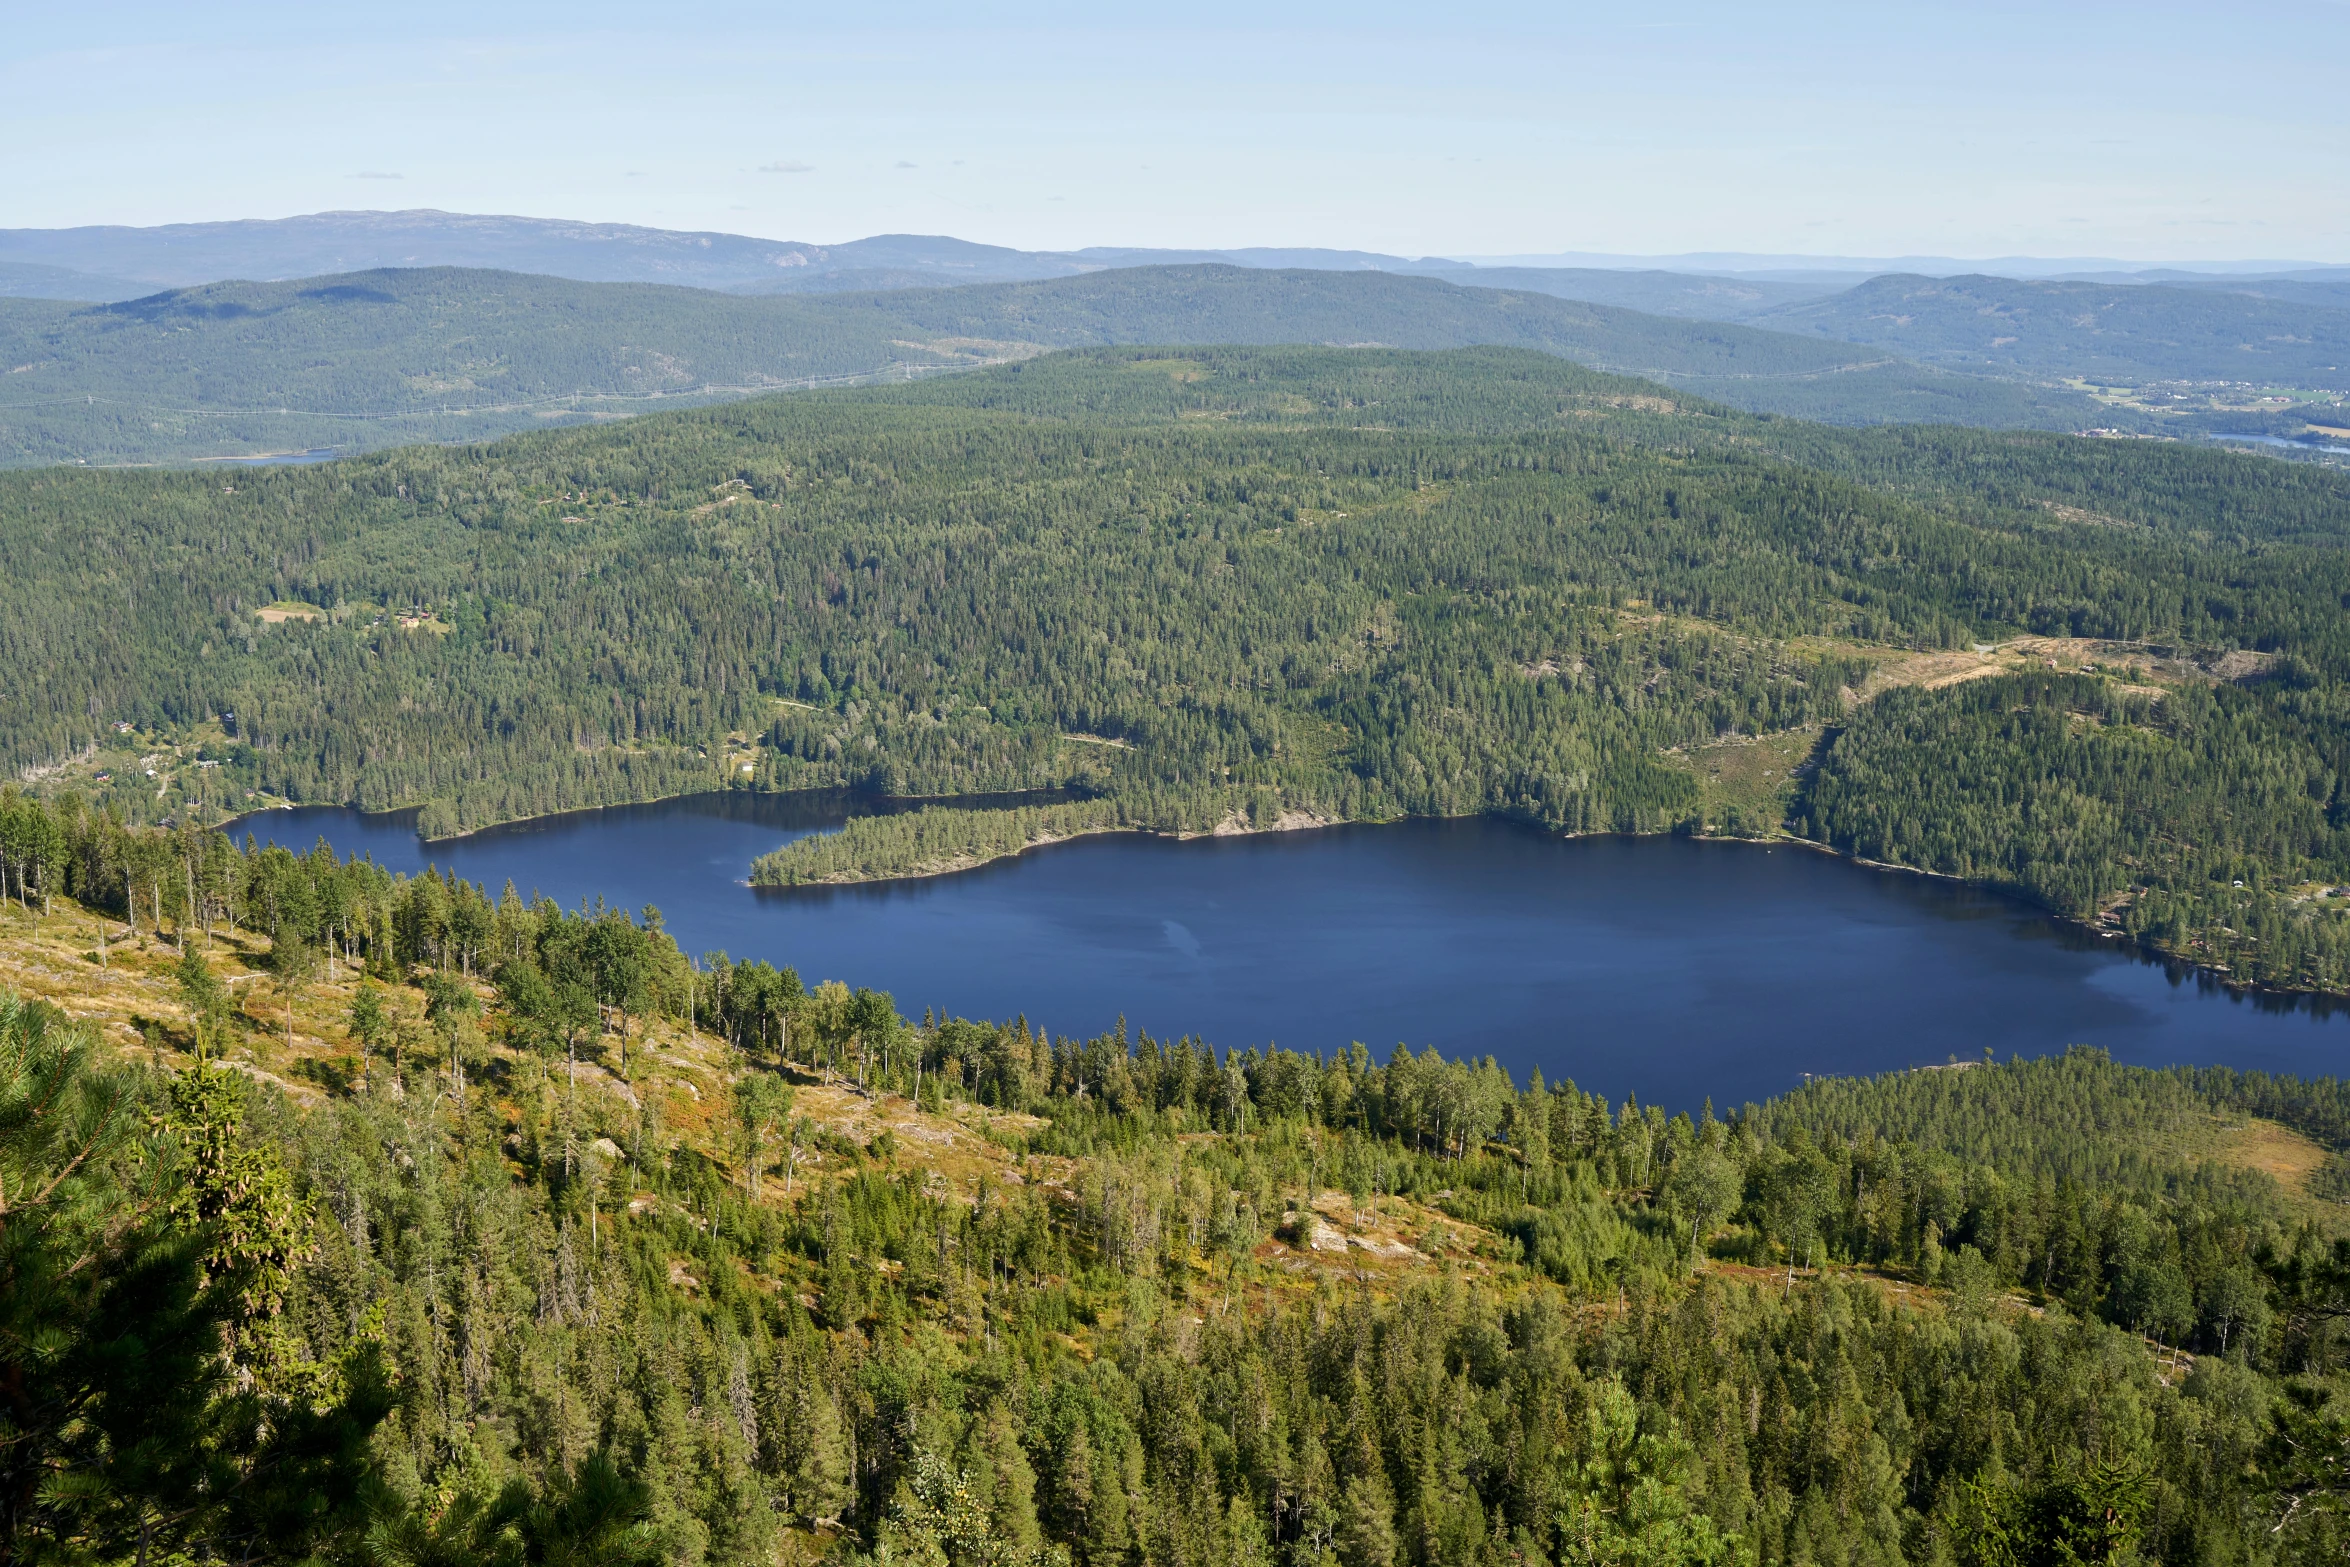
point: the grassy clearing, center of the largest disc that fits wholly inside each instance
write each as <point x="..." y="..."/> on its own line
<point x="2286" y="1157"/>
<point x="133" y="1004"/>
<point x="1748" y="783"/>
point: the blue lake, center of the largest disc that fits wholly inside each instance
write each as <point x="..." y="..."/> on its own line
<point x="2278" y="440"/>
<point x="1667" y="967"/>
<point x="316" y="454"/>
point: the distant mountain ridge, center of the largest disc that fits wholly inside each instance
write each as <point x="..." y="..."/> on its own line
<point x="183" y="255"/>
<point x="1743" y="263"/>
<point x="322" y="244"/>
<point x="106" y="263"/>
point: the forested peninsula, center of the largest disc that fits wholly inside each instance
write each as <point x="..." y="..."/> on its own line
<point x="1244" y="586"/>
<point x="354" y="1218"/>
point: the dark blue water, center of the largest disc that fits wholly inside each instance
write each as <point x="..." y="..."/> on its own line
<point x="1666" y="967"/>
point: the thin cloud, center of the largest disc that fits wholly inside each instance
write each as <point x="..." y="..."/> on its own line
<point x="903" y="164"/>
<point x="377" y="174"/>
<point x="786" y="166"/>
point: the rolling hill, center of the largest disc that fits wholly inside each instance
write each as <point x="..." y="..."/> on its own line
<point x="31" y="280"/>
<point x="2324" y="291"/>
<point x="1702" y="296"/>
<point x="378" y="358"/>
<point x="2128" y="332"/>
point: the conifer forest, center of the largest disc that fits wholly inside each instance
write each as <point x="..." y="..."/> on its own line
<point x="353" y="1217"/>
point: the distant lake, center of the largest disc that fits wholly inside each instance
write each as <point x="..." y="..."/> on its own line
<point x="1664" y="966"/>
<point x="274" y="459"/>
<point x="2278" y="440"/>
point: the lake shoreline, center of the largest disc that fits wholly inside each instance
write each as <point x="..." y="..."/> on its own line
<point x="1294" y="821"/>
<point x="2215" y="973"/>
<point x="1306" y="821"/>
<point x="1629" y="961"/>
<point x="899" y="804"/>
<point x="896" y="804"/>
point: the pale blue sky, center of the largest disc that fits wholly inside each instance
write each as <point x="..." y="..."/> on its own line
<point x="2147" y="131"/>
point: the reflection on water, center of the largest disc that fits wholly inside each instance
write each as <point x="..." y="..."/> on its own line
<point x="1675" y="969"/>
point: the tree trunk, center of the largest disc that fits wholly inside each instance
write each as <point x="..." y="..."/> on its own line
<point x="570" y="1093"/>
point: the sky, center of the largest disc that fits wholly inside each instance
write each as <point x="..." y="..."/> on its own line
<point x="2146" y="132"/>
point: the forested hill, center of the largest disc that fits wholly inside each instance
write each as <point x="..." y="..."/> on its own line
<point x="2326" y="291"/>
<point x="379" y="358"/>
<point x="358" y="1221"/>
<point x="1707" y="296"/>
<point x="2127" y="332"/>
<point x="1351" y="583"/>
